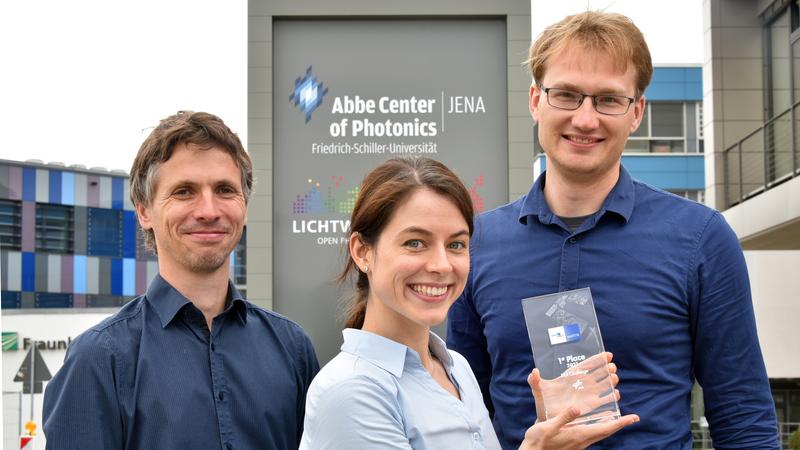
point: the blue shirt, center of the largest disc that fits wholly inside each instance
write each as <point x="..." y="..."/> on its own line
<point x="151" y="376"/>
<point x="672" y="296"/>
<point x="376" y="394"/>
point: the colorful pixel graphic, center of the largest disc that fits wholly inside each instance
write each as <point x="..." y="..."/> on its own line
<point x="477" y="200"/>
<point x="336" y="199"/>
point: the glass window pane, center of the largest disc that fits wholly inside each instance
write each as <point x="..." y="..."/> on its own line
<point x="54" y="228"/>
<point x="691" y="127"/>
<point x="53" y="300"/>
<point x="779" y="63"/>
<point x="10" y="225"/>
<point x="666" y="146"/>
<point x="794" y="406"/>
<point x="637" y="146"/>
<point x="667" y="119"/>
<point x="796" y="69"/>
<point x="105" y="232"/>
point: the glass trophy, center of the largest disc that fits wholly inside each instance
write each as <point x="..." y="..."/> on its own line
<point x="569" y="354"/>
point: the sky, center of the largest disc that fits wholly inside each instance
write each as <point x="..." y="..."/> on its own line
<point x="83" y="82"/>
<point x="673" y="29"/>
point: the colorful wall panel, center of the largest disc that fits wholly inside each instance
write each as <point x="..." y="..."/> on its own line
<point x="33" y="279"/>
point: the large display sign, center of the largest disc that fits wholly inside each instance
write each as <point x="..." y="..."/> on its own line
<point x="349" y="94"/>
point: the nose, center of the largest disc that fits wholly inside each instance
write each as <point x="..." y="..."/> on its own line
<point x="585" y="117"/>
<point x="439" y="261"/>
<point x="206" y="207"/>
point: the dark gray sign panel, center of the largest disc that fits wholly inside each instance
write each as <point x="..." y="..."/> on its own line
<point x="349" y="94"/>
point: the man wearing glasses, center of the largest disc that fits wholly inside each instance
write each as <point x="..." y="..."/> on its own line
<point x="667" y="275"/>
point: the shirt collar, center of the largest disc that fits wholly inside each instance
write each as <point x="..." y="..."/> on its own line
<point x="166" y="301"/>
<point x="620" y="200"/>
<point x="237" y="303"/>
<point x="389" y="355"/>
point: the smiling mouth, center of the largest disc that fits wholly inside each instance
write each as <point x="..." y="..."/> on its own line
<point x="432" y="292"/>
<point x="207" y="234"/>
<point x="582" y="140"/>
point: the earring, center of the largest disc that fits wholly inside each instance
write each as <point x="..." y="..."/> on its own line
<point x="365" y="269"/>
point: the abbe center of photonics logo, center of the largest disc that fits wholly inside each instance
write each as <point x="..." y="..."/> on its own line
<point x="307" y="94"/>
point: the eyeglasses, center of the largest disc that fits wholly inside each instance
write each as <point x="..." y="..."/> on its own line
<point x="612" y="105"/>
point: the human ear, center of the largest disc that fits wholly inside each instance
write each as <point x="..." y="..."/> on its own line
<point x="143" y="215"/>
<point x="638" y="113"/>
<point x="360" y="252"/>
<point x="534" y="95"/>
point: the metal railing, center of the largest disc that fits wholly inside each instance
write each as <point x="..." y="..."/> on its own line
<point x="786" y="429"/>
<point x="764" y="158"/>
<point x="702" y="438"/>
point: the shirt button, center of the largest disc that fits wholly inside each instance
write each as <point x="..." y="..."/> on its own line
<point x="228" y="446"/>
<point x="213" y="348"/>
<point x="573" y="240"/>
<point x="476" y="436"/>
<point x="220" y="396"/>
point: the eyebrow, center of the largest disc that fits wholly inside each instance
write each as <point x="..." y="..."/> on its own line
<point x="414" y="229"/>
<point x="573" y="87"/>
<point x="192" y="183"/>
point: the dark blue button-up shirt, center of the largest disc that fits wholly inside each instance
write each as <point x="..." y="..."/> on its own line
<point x="152" y="376"/>
<point x="672" y="296"/>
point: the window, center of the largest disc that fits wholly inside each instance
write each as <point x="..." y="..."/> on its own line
<point x="782" y="48"/>
<point x="696" y="195"/>
<point x="53" y="300"/>
<point x="668" y="127"/>
<point x="10" y="300"/>
<point x="667" y="120"/>
<point x="10" y="225"/>
<point x="786" y="393"/>
<point x="104" y="230"/>
<point x="779" y="31"/>
<point x="54" y="228"/>
<point x="104" y="301"/>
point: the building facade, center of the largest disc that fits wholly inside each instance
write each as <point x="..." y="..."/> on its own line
<point x="751" y="93"/>
<point x="69" y="238"/>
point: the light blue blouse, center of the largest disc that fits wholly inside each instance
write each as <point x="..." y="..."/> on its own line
<point x="375" y="394"/>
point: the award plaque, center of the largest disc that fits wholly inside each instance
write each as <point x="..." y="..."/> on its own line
<point x="569" y="353"/>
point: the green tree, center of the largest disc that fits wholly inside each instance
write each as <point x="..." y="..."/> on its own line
<point x="794" y="440"/>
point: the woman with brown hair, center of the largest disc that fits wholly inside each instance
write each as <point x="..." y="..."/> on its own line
<point x="395" y="384"/>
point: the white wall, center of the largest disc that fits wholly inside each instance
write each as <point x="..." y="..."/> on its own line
<point x="776" y="298"/>
<point x="39" y="326"/>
